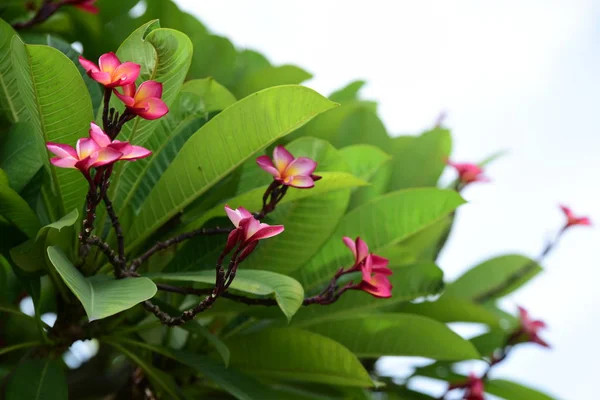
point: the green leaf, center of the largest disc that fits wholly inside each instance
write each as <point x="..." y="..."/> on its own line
<point x="363" y="126"/>
<point x="293" y="354"/>
<point x="18" y="157"/>
<point x="513" y="391"/>
<point x="223" y="144"/>
<point x="16" y="210"/>
<point x="453" y="309"/>
<point x="101" y="296"/>
<point x="165" y="56"/>
<point x="271" y="76"/>
<point x="214" y="56"/>
<point x="11" y="105"/>
<point x="419" y="161"/>
<point x="382" y="222"/>
<point x="395" y="334"/>
<point x="213" y="95"/>
<point x="347" y="93"/>
<point x="31" y="255"/>
<point x="287" y="292"/>
<point x="491" y="274"/>
<point x="59" y="109"/>
<point x="37" y="379"/>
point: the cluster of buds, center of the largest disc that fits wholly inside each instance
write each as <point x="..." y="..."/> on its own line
<point x="467" y="173"/>
<point x="473" y="387"/>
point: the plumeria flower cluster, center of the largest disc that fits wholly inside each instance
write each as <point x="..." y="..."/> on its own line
<point x="468" y="173"/>
<point x="473" y="387"/>
<point x="373" y="268"/>
<point x="572" y="219"/>
<point x="288" y="170"/>
<point x="248" y="231"/>
<point x="528" y="330"/>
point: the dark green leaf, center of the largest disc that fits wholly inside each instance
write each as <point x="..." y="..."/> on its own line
<point x="18" y="155"/>
<point x="16" y="210"/>
<point x="11" y="105"/>
<point x="453" y="309"/>
<point x="38" y="380"/>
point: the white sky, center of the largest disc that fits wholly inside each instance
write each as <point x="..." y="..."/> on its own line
<point x="516" y="75"/>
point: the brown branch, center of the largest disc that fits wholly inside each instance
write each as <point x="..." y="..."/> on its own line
<point x="105" y="248"/>
<point x="116" y="225"/>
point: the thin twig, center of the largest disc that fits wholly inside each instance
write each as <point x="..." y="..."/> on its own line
<point x="105" y="248"/>
<point x="117" y="227"/>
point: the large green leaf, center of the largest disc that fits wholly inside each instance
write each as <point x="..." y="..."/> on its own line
<point x="287" y="292"/>
<point x="494" y="273"/>
<point x="382" y="222"/>
<point x="347" y="93"/>
<point x="18" y="155"/>
<point x="395" y="334"/>
<point x="11" y="105"/>
<point x="16" y="210"/>
<point x="363" y="126"/>
<point x="59" y="108"/>
<point x="37" y="379"/>
<point x="213" y="95"/>
<point x="31" y="255"/>
<point x="223" y="144"/>
<point x="270" y="76"/>
<point x="513" y="391"/>
<point x="101" y="296"/>
<point x="214" y="56"/>
<point x="293" y="354"/>
<point x="419" y="161"/>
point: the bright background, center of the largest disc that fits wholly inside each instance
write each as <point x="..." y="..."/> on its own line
<point x="513" y="75"/>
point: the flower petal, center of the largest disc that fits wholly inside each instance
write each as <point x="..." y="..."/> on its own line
<point x="88" y="7"/>
<point x="147" y="90"/>
<point x="282" y="158"/>
<point x="85" y="147"/>
<point x="235" y="216"/>
<point x="265" y="163"/>
<point x="300" y="182"/>
<point x="100" y="77"/>
<point x="154" y="108"/>
<point x="87" y="65"/>
<point x="98" y="135"/>
<point x="351" y="244"/>
<point x="64" y="162"/>
<point x="106" y="155"/>
<point x="135" y="153"/>
<point x="266" y="231"/>
<point x="301" y="166"/>
<point x="380" y="264"/>
<point x="62" y="150"/>
<point x="127" y="100"/>
<point x="108" y="62"/>
<point x="125" y="74"/>
<point x="362" y="250"/>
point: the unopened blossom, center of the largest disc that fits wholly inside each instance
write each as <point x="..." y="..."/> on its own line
<point x="289" y="170"/>
<point x="145" y="101"/>
<point x="468" y="173"/>
<point x="128" y="152"/>
<point x="474" y="389"/>
<point x="110" y="72"/>
<point x="572" y="219"/>
<point x="373" y="268"/>
<point x="248" y="230"/>
<point x="530" y="328"/>
<point x="84" y="5"/>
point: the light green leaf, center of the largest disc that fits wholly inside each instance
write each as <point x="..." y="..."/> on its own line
<point x="491" y="274"/>
<point x="37" y="379"/>
<point x="59" y="107"/>
<point x="381" y="223"/>
<point x="395" y="334"/>
<point x="213" y="95"/>
<point x="363" y="126"/>
<point x="348" y="92"/>
<point x="18" y="157"/>
<point x="287" y="292"/>
<point x="11" y="104"/>
<point x="16" y="210"/>
<point x="419" y="161"/>
<point x="101" y="296"/>
<point x="513" y="391"/>
<point x="223" y="144"/>
<point x="214" y="56"/>
<point x="293" y="354"/>
<point x="270" y="76"/>
<point x="31" y="255"/>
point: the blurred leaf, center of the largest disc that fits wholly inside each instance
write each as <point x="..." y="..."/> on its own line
<point x="213" y="96"/>
<point x="442" y="370"/>
<point x="215" y="57"/>
<point x="18" y="157"/>
<point x="16" y="210"/>
<point x="363" y="126"/>
<point x="101" y="296"/>
<point x="513" y="391"/>
<point x="382" y="222"/>
<point x="493" y="157"/>
<point x="419" y="161"/>
<point x="491" y="274"/>
<point x="286" y="291"/>
<point x="375" y="335"/>
<point x="292" y="354"/>
<point x="51" y="101"/>
<point x="11" y="105"/>
<point x="347" y="93"/>
<point x="270" y="76"/>
<point x="37" y="379"/>
<point x="247" y="62"/>
<point x="223" y="144"/>
<point x="490" y="341"/>
<point x="453" y="309"/>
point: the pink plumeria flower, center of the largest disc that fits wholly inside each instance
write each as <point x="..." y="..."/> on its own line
<point x="87" y="154"/>
<point x="288" y="170"/>
<point x="248" y="231"/>
<point x="572" y="219"/>
<point x="128" y="151"/>
<point x="110" y="72"/>
<point x="373" y="268"/>
<point x="145" y="101"/>
<point x="84" y="5"/>
<point x="530" y="328"/>
<point x="473" y="387"/>
<point x="468" y="173"/>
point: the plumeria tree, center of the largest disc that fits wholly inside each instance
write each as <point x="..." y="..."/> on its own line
<point x="183" y="220"/>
